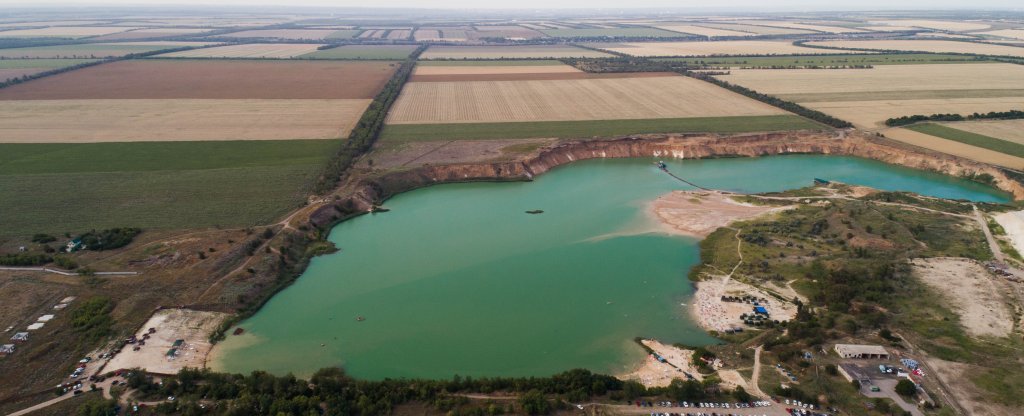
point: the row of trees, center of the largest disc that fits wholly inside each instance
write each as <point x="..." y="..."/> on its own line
<point x="993" y="115"/>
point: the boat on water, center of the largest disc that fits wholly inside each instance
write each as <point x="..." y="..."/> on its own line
<point x="360" y="319"/>
<point x="662" y="165"/>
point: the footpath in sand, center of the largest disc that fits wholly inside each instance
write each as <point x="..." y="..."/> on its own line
<point x="971" y="291"/>
<point x="654" y="373"/>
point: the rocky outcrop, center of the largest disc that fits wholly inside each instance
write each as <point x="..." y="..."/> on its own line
<point x="372" y="191"/>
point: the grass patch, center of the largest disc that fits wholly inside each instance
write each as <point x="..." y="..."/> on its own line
<point x="973" y="139"/>
<point x="831" y="60"/>
<point x="637" y="32"/>
<point x="594" y="128"/>
<point x="58" y="188"/>
<point x="492" y="62"/>
<point x="383" y="52"/>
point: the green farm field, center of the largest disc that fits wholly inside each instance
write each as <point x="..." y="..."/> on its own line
<point x="635" y="32"/>
<point x="827" y="60"/>
<point x="58" y="188"/>
<point x="973" y="139"/>
<point x="386" y="52"/>
<point x="591" y="128"/>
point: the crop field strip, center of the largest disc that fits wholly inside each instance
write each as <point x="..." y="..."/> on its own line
<point x="492" y="62"/>
<point x="935" y="46"/>
<point x="564" y="100"/>
<point x="152" y="33"/>
<point x="16" y="68"/>
<point x="867" y="97"/>
<point x="94" y="50"/>
<point x="935" y="24"/>
<point x="64" y="32"/>
<point x="251" y="50"/>
<point x="535" y="76"/>
<point x="393" y="52"/>
<point x="214" y="79"/>
<point x="830" y="60"/>
<point x="973" y="139"/>
<point x="493" y="69"/>
<point x="1006" y="33"/>
<point x="759" y="30"/>
<point x="594" y="128"/>
<point x="509" y="52"/>
<point x="57" y="188"/>
<point x="732" y="47"/>
<point x="955" y="148"/>
<point x="294" y="34"/>
<point x="805" y="26"/>
<point x="702" y="30"/>
<point x="1009" y="130"/>
<point x="184" y="100"/>
<point x="630" y="32"/>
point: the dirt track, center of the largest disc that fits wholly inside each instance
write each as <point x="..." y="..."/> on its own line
<point x="147" y="79"/>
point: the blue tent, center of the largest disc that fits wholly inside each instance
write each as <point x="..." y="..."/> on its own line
<point x="761" y="310"/>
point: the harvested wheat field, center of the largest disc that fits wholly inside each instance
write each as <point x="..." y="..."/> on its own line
<point x="935" y="24"/>
<point x="199" y="78"/>
<point x="152" y="33"/>
<point x="872" y="114"/>
<point x="427" y="35"/>
<point x="88" y="121"/>
<point x="493" y="69"/>
<point x="399" y="34"/>
<point x="527" y="76"/>
<point x="1009" y="130"/>
<point x="94" y="50"/>
<point x="954" y="148"/>
<point x="886" y="81"/>
<point x="703" y="31"/>
<point x="937" y="46"/>
<point x="252" y="50"/>
<point x="805" y="26"/>
<point x="729" y="47"/>
<point x="587" y="99"/>
<point x="508" y="32"/>
<point x="760" y="30"/>
<point x="64" y="32"/>
<point x="509" y="52"/>
<point x="313" y="34"/>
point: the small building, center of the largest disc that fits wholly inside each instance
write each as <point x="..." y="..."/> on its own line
<point x="36" y="326"/>
<point x="862" y="351"/>
<point x="60" y="306"/>
<point x="7" y="349"/>
<point x="45" y="318"/>
<point x="74" y="245"/>
<point x="20" y="336"/>
<point x="853" y="372"/>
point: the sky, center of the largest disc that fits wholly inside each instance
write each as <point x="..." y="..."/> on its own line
<point x="749" y="5"/>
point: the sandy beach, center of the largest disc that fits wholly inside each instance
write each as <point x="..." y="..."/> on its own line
<point x="699" y="213"/>
<point x="654" y="373"/>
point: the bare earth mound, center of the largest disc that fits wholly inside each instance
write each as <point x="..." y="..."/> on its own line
<point x="971" y="292"/>
<point x="150" y="79"/>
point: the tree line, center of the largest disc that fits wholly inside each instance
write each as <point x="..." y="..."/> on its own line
<point x="993" y="115"/>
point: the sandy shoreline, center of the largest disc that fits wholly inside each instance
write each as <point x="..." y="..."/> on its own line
<point x="699" y="213"/>
<point x="654" y="373"/>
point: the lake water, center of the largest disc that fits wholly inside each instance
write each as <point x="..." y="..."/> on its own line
<point x="457" y="279"/>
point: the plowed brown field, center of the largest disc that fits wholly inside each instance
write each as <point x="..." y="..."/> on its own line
<point x="210" y="79"/>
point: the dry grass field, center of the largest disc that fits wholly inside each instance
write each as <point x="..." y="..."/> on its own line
<point x="731" y="47"/>
<point x="314" y="34"/>
<point x="399" y="34"/>
<point x="935" y="24"/>
<point x="885" y="28"/>
<point x="64" y="32"/>
<point x="1009" y="130"/>
<point x="507" y="31"/>
<point x="1006" y="33"/>
<point x="492" y="69"/>
<point x="703" y="31"/>
<point x="805" y="26"/>
<point x="89" y="121"/>
<point x="886" y="81"/>
<point x="564" y="100"/>
<point x="268" y="50"/>
<point x="509" y="52"/>
<point x="427" y="35"/>
<point x="936" y="46"/>
<point x="954" y="148"/>
<point x="94" y="50"/>
<point x="760" y="30"/>
<point x="168" y="79"/>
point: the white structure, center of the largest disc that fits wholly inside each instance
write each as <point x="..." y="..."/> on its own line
<point x="20" y="336"/>
<point x="861" y="351"/>
<point x="6" y="348"/>
<point x="45" y="318"/>
<point x="35" y="326"/>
